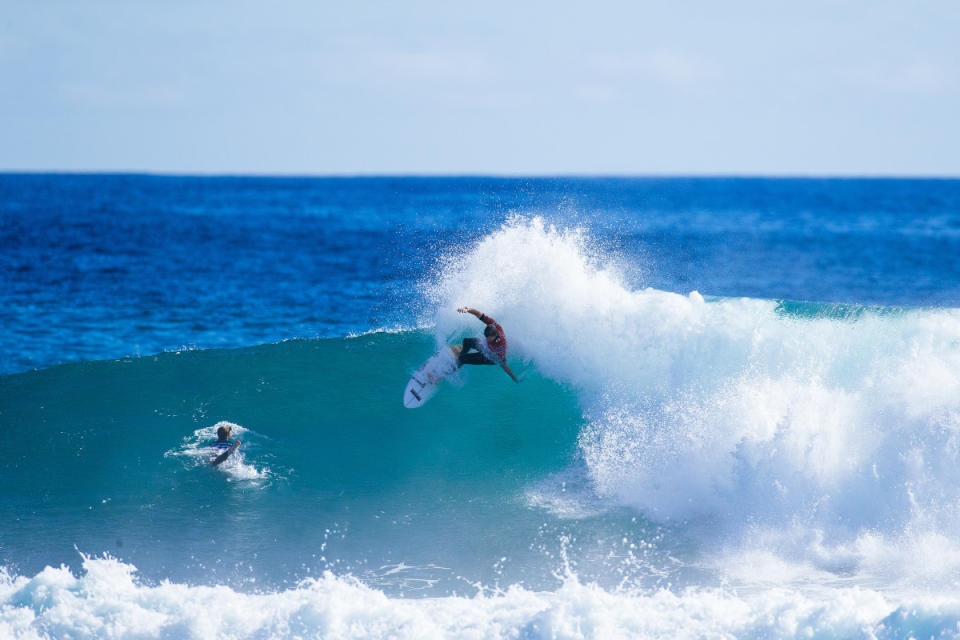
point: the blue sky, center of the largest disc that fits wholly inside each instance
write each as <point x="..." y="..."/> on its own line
<point x="767" y="88"/>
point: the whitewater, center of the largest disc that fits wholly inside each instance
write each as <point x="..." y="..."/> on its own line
<point x="674" y="464"/>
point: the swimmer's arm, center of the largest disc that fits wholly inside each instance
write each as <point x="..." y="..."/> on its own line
<point x="223" y="456"/>
<point x="509" y="373"/>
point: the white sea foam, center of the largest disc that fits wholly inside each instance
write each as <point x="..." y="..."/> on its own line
<point x="834" y="443"/>
<point x="421" y="325"/>
<point x="108" y="601"/>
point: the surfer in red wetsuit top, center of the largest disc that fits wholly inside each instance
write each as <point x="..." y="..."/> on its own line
<point x="493" y="350"/>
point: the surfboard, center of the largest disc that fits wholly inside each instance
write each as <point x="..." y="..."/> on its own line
<point x="425" y="380"/>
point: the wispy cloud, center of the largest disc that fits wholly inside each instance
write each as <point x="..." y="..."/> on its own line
<point x="917" y="77"/>
<point x="434" y="65"/>
<point x="670" y="66"/>
<point x="115" y="97"/>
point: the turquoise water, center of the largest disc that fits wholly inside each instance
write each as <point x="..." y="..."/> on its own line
<point x="99" y="447"/>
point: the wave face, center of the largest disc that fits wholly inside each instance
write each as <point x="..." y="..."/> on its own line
<point x="112" y="453"/>
<point x="672" y="465"/>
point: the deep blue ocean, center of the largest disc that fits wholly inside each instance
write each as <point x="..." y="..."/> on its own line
<point x="738" y="415"/>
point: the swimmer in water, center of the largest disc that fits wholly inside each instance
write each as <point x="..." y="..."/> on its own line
<point x="224" y="445"/>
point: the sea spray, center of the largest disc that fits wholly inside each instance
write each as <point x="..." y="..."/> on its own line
<point x="822" y="427"/>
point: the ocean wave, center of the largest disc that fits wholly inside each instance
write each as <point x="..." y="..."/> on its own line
<point x="824" y="437"/>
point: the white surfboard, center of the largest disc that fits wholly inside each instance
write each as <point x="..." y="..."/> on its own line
<point x="425" y="380"/>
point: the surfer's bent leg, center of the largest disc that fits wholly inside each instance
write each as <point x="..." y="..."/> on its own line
<point x="468" y="343"/>
<point x="472" y="358"/>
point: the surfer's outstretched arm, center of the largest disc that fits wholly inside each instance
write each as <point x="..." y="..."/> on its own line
<point x="481" y="316"/>
<point x="509" y="373"/>
<point x="470" y="310"/>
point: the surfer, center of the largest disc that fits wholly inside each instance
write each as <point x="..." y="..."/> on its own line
<point x="492" y="350"/>
<point x="224" y="444"/>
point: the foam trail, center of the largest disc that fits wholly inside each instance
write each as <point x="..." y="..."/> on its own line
<point x="824" y="427"/>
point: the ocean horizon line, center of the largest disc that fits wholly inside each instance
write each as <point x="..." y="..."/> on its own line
<point x="477" y="175"/>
